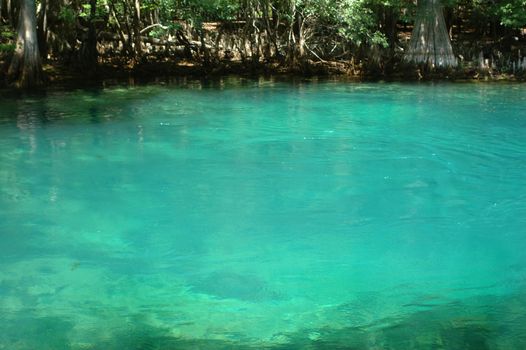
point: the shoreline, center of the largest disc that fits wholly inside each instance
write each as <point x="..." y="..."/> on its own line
<point x="59" y="74"/>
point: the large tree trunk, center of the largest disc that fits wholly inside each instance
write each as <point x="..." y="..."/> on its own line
<point x="430" y="43"/>
<point x="6" y="11"/>
<point x="137" y="29"/>
<point x="42" y="30"/>
<point x="125" y="43"/>
<point x="91" y="53"/>
<point x="26" y="68"/>
<point x="296" y="45"/>
<point x="390" y="19"/>
<point x="300" y="37"/>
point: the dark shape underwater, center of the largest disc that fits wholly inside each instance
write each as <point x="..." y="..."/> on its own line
<point x="231" y="285"/>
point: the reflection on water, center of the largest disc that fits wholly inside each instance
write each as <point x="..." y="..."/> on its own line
<point x="258" y="214"/>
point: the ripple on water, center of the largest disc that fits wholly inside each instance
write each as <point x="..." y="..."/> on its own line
<point x="251" y="215"/>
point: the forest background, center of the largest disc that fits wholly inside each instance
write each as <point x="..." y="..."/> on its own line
<point x="44" y="40"/>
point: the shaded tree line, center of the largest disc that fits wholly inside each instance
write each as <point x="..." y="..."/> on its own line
<point x="287" y="32"/>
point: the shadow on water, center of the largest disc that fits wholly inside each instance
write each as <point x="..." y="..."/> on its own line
<point x="109" y="98"/>
<point x="87" y="102"/>
<point x="418" y="331"/>
<point x="226" y="284"/>
<point x="481" y="324"/>
<point x="43" y="333"/>
<point x="144" y="337"/>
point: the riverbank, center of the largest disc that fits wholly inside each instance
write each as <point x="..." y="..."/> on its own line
<point x="60" y="74"/>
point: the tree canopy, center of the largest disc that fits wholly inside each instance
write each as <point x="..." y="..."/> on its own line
<point x="290" y="32"/>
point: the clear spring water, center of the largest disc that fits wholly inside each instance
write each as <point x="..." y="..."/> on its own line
<point x="257" y="214"/>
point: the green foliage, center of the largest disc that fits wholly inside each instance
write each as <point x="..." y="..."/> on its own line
<point x="67" y="15"/>
<point x="7" y="33"/>
<point x="85" y="12"/>
<point x="7" y="48"/>
<point x="101" y="13"/>
<point x="352" y="20"/>
<point x="358" y="22"/>
<point x="325" y="27"/>
<point x="512" y="13"/>
<point x="198" y="11"/>
<point x="157" y="33"/>
<point x="160" y="32"/>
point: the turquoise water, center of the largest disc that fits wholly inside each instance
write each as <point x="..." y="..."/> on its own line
<point x="257" y="214"/>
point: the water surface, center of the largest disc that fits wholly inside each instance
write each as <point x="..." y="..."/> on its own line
<point x="257" y="214"/>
